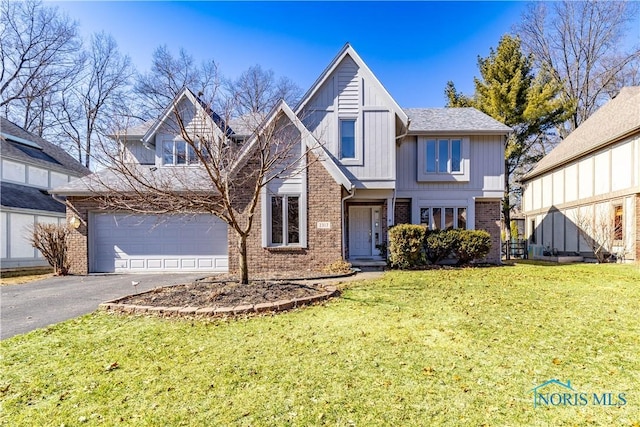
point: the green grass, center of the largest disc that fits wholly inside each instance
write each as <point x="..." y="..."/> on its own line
<point x="445" y="347"/>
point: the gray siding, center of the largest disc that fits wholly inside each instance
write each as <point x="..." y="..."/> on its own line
<point x="350" y="93"/>
<point x="486" y="169"/>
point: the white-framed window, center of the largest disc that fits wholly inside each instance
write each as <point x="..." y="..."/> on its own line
<point x="443" y="159"/>
<point x="443" y="156"/>
<point x="178" y="152"/>
<point x="284" y="220"/>
<point x="348" y="138"/>
<point x="443" y="217"/>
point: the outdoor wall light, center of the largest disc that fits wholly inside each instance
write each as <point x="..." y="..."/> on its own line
<point x="74" y="221"/>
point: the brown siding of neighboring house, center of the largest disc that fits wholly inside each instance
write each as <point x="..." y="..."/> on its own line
<point x="324" y="246"/>
<point x="488" y="219"/>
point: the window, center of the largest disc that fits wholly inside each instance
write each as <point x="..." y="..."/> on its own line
<point x="444" y="218"/>
<point x="617" y="223"/>
<point x="285" y="220"/>
<point x="178" y="153"/>
<point x="443" y="156"/>
<point x="532" y="236"/>
<point x="348" y="139"/>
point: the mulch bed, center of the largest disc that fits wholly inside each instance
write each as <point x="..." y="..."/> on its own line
<point x="221" y="294"/>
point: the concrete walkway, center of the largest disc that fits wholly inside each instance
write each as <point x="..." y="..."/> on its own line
<point x="34" y="305"/>
<point x="38" y="304"/>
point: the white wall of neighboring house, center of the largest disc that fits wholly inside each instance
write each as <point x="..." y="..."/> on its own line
<point x="592" y="185"/>
<point x="15" y="247"/>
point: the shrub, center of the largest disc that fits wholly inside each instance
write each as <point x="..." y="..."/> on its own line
<point x="472" y="245"/>
<point x="52" y="240"/>
<point x="439" y="244"/>
<point x="406" y="245"/>
<point x="338" y="267"/>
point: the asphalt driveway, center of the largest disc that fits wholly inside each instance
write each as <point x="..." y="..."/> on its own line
<point x="34" y="305"/>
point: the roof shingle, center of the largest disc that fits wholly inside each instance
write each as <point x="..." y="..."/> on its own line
<point x="468" y="120"/>
<point x="613" y="120"/>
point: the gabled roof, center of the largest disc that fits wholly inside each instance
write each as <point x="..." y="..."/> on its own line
<point x="25" y="197"/>
<point x="453" y="120"/>
<point x="198" y="103"/>
<point x="613" y="121"/>
<point x="21" y="145"/>
<point x="348" y="50"/>
<point x="312" y="144"/>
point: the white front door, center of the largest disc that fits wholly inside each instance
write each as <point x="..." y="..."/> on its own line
<point x="360" y="232"/>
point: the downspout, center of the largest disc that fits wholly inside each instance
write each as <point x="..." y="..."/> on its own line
<point x="352" y="192"/>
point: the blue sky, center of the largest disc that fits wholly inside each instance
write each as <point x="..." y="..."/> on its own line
<point x="414" y="48"/>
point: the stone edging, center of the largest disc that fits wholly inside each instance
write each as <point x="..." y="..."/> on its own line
<point x="282" y="305"/>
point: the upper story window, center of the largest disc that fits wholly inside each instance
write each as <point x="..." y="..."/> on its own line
<point x="443" y="155"/>
<point x="347" y="138"/>
<point x="443" y="159"/>
<point x="178" y="153"/>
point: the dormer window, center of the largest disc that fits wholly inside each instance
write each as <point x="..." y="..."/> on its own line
<point x="178" y="153"/>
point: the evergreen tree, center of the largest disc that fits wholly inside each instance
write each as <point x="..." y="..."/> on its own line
<point x="531" y="104"/>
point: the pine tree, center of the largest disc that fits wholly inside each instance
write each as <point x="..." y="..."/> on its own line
<point x="511" y="92"/>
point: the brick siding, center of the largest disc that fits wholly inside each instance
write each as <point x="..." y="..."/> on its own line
<point x="78" y="240"/>
<point x="402" y="212"/>
<point x="488" y="219"/>
<point x="324" y="246"/>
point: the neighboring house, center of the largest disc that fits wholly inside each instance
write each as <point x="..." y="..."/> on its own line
<point x="592" y="175"/>
<point x="30" y="166"/>
<point x="379" y="165"/>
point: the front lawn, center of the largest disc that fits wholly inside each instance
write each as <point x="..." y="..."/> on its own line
<point x="442" y="347"/>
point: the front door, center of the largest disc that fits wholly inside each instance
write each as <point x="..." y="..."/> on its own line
<point x="364" y="231"/>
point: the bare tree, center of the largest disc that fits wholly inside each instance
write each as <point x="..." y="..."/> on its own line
<point x="226" y="179"/>
<point x="598" y="229"/>
<point x="580" y="43"/>
<point x="169" y="75"/>
<point x="257" y="90"/>
<point x="86" y="107"/>
<point x="52" y="240"/>
<point x="38" y="58"/>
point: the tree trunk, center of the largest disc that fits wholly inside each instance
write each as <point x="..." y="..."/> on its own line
<point x="506" y="209"/>
<point x="242" y="253"/>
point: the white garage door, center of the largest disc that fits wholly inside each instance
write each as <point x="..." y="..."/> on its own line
<point x="130" y="243"/>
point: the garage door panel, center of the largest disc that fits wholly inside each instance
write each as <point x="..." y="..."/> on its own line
<point x="126" y="242"/>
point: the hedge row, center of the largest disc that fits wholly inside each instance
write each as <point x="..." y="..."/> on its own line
<point x="413" y="246"/>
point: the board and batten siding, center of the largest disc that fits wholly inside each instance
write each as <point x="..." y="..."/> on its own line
<point x="348" y="94"/>
<point x="486" y="164"/>
<point x="486" y="177"/>
<point x="589" y="185"/>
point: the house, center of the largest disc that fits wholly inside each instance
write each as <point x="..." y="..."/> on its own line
<point x="369" y="164"/>
<point x="590" y="181"/>
<point x="30" y="166"/>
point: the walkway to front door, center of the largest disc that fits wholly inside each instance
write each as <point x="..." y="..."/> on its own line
<point x="364" y="231"/>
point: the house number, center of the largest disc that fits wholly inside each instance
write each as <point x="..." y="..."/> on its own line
<point x="324" y="224"/>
